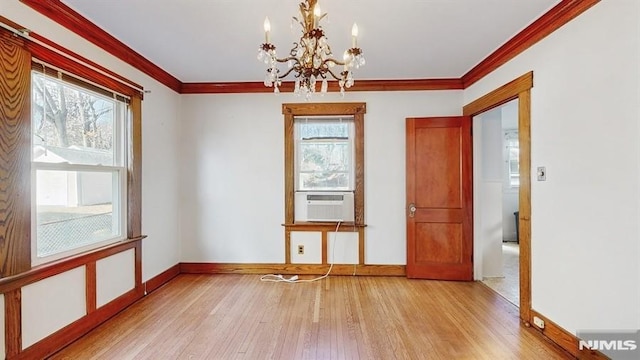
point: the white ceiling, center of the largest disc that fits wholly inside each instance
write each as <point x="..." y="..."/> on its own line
<point x="217" y="40"/>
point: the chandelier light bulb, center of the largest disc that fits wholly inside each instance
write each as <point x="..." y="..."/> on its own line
<point x="316" y="15"/>
<point x="267" y="29"/>
<point x="354" y="35"/>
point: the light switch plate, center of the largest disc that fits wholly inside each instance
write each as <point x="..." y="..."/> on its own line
<point x="542" y="173"/>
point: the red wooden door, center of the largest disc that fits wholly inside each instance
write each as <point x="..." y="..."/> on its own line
<point x="439" y="198"/>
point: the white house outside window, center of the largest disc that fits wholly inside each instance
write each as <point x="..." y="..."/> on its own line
<point x="78" y="167"/>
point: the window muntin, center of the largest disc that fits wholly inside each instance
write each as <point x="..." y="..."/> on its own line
<point x="78" y="168"/>
<point x="324" y="153"/>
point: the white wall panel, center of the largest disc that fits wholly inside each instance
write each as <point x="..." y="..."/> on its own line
<point x="115" y="275"/>
<point x="342" y="248"/>
<point x="51" y="304"/>
<point x="312" y="242"/>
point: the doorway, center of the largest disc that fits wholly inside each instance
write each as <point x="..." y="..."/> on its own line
<point x="496" y="186"/>
<point x="520" y="89"/>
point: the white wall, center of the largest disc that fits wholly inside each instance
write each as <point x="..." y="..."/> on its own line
<point x="233" y="151"/>
<point x="160" y="171"/>
<point x="585" y="234"/>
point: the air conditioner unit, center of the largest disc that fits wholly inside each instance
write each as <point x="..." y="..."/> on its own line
<point x="324" y="206"/>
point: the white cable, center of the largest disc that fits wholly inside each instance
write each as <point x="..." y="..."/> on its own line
<point x="294" y="279"/>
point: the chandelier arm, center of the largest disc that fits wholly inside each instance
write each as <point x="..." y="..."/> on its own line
<point x="293" y="50"/>
<point x="284" y="60"/>
<point x="287" y="73"/>
<point x="333" y="74"/>
<point x="339" y="63"/>
<point x="295" y="67"/>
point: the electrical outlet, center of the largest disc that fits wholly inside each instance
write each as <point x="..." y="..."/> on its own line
<point x="538" y="322"/>
<point x="300" y="249"/>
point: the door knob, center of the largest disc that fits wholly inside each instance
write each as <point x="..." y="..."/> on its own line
<point x="412" y="210"/>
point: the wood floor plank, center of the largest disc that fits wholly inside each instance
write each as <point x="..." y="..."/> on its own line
<point x="200" y="316"/>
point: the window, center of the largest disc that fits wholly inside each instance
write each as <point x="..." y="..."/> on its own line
<point x="31" y="123"/>
<point x="324" y="153"/>
<point x="512" y="157"/>
<point x="78" y="167"/>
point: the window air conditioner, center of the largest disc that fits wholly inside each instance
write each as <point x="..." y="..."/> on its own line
<point x="324" y="206"/>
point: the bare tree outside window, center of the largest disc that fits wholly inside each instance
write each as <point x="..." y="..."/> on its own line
<point x="65" y="116"/>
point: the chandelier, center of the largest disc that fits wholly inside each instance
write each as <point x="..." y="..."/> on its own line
<point x="310" y="59"/>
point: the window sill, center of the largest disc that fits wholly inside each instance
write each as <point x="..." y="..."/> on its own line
<point x="59" y="266"/>
<point x="332" y="224"/>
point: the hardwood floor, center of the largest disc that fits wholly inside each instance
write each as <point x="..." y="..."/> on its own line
<point x="341" y="317"/>
<point x="509" y="284"/>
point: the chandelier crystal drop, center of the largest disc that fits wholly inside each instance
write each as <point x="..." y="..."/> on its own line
<point x="310" y="60"/>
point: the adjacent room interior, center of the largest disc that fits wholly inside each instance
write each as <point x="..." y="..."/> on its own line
<point x="201" y="180"/>
<point x="497" y="176"/>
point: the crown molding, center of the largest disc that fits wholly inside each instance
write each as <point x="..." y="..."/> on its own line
<point x="49" y="52"/>
<point x="70" y="19"/>
<point x="552" y="20"/>
<point x="287" y="86"/>
<point x="555" y="18"/>
<point x="79" y="57"/>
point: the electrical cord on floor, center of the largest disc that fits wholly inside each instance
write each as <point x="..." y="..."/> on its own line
<point x="294" y="279"/>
